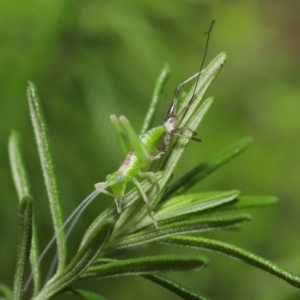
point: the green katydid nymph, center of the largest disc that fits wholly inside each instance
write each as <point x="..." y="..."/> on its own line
<point x="141" y="147"/>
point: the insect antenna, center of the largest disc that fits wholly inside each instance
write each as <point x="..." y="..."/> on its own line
<point x="165" y="106"/>
<point x="172" y="121"/>
<point x="74" y="216"/>
<point x="193" y="97"/>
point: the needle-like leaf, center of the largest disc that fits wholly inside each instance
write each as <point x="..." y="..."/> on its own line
<point x="235" y="252"/>
<point x="43" y="145"/>
<point x="191" y="203"/>
<point x="17" y="166"/>
<point x="82" y="260"/>
<point x="183" y="206"/>
<point x="207" y="167"/>
<point x="83" y="294"/>
<point x="158" y="90"/>
<point x="243" y="202"/>
<point x="186" y="226"/>
<point x="24" y="241"/>
<point x="145" y="265"/>
<point x="174" y="287"/>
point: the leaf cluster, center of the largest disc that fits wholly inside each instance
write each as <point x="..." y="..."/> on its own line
<point x="180" y="216"/>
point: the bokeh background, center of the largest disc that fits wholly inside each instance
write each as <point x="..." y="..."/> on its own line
<point x="93" y="58"/>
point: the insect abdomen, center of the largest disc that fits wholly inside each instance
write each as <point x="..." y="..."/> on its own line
<point x="152" y="137"/>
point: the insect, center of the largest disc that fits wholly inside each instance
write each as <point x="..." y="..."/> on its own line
<point x="141" y="147"/>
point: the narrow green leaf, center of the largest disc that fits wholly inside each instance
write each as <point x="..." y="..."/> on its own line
<point x="242" y="202"/>
<point x="17" y="166"/>
<point x="158" y="90"/>
<point x="249" y="202"/>
<point x="174" y="287"/>
<point x="24" y="239"/>
<point x="207" y="167"/>
<point x="235" y="252"/>
<point x="145" y="265"/>
<point x="184" y="206"/>
<point x="122" y="137"/>
<point x="83" y="293"/>
<point x="40" y="130"/>
<point x="207" y="77"/>
<point x="187" y="226"/>
<point x="83" y="259"/>
<point x="34" y="258"/>
<point x="6" y="292"/>
<point x="191" y="203"/>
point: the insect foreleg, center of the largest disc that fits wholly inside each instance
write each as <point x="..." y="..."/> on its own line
<point x="184" y="83"/>
<point x="173" y="108"/>
<point x="145" y="198"/>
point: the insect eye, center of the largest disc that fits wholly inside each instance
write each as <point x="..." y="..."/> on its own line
<point x="120" y="178"/>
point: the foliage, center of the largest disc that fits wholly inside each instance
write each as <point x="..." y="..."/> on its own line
<point x="179" y="215"/>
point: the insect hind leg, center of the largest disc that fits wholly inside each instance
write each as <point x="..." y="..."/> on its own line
<point x="145" y="198"/>
<point x="151" y="176"/>
<point x="173" y="108"/>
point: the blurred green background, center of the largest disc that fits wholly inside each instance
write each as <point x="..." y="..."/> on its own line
<point x="93" y="58"/>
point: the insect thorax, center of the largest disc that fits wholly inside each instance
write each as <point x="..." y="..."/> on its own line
<point x="170" y="124"/>
<point x="170" y="127"/>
